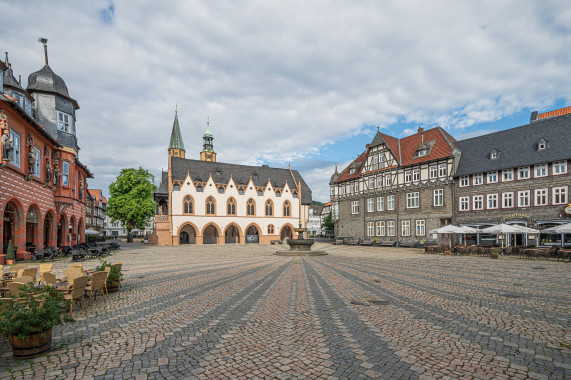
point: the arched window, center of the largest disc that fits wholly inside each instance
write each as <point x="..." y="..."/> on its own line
<point x="210" y="206"/>
<point x="269" y="208"/>
<point x="187" y="205"/>
<point x="287" y="208"/>
<point x="271" y="229"/>
<point x="251" y="207"/>
<point x="231" y="206"/>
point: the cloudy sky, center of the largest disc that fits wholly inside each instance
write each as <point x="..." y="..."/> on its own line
<point x="305" y="82"/>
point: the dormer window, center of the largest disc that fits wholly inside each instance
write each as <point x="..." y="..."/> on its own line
<point x="218" y="172"/>
<point x="255" y="175"/>
<point x="542" y="144"/>
<point x="494" y="154"/>
<point x="197" y="179"/>
<point x="278" y="194"/>
<point x="352" y="170"/>
<point x="420" y="153"/>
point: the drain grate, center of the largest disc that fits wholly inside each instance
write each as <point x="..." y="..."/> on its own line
<point x="510" y="295"/>
<point x="378" y="302"/>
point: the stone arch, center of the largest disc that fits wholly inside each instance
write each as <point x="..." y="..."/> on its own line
<point x="187" y="233"/>
<point x="286" y="232"/>
<point x="253" y="232"/>
<point x="232" y="234"/>
<point x="62" y="230"/>
<point x="210" y="233"/>
<point x="49" y="229"/>
<point x="33" y="228"/>
<point x="13" y="225"/>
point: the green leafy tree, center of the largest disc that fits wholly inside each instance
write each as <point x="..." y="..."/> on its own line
<point x="328" y="223"/>
<point x="131" y="199"/>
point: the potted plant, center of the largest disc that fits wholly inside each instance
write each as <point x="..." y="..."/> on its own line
<point x="10" y="254"/>
<point x="115" y="275"/>
<point x="495" y="254"/>
<point x="375" y="242"/>
<point x="28" y="323"/>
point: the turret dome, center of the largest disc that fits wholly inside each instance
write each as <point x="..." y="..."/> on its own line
<point x="45" y="80"/>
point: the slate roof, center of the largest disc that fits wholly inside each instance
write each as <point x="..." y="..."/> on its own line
<point x="517" y="146"/>
<point x="180" y="167"/>
<point x="440" y="142"/>
<point x="45" y="80"/>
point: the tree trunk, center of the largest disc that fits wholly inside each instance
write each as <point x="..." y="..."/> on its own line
<point x="129" y="235"/>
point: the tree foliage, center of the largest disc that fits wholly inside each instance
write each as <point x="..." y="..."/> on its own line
<point x="131" y="198"/>
<point x="328" y="223"/>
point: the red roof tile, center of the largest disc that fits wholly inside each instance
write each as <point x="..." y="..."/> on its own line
<point x="559" y="112"/>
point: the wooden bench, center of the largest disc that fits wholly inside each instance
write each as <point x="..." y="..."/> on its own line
<point x="353" y="242"/>
<point x="386" y="243"/>
<point x="366" y="242"/>
<point x="339" y="241"/>
<point x="406" y="244"/>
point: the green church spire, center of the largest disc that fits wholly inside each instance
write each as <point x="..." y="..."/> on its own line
<point x="176" y="136"/>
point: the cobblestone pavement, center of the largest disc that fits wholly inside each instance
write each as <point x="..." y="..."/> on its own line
<point x="240" y="312"/>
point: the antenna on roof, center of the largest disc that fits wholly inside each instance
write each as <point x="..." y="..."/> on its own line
<point x="378" y="127"/>
<point x="44" y="41"/>
<point x="176" y="108"/>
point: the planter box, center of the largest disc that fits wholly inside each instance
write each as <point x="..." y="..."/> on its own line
<point x="2" y="259"/>
<point x="24" y="255"/>
<point x="494" y="256"/>
<point x="10" y="262"/>
<point x="446" y="253"/>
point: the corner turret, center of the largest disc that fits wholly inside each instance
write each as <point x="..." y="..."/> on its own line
<point x="208" y="153"/>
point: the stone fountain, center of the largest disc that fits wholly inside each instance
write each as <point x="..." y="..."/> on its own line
<point x="300" y="246"/>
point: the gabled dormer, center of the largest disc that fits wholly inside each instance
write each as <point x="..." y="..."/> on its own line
<point x="424" y="149"/>
<point x="494" y="154"/>
<point x="542" y="144"/>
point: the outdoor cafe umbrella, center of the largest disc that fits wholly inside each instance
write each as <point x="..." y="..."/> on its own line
<point x="502" y="229"/>
<point x="449" y="229"/>
<point x="561" y="229"/>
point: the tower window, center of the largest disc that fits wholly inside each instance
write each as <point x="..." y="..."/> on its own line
<point x="65" y="122"/>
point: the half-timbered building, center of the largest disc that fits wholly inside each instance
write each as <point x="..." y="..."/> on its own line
<point x="397" y="189"/>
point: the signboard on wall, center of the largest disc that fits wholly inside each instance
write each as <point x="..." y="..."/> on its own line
<point x="252" y="239"/>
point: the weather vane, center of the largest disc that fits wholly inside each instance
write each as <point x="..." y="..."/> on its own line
<point x="44" y="42"/>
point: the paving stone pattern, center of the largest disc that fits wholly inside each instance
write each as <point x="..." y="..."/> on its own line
<point x="217" y="312"/>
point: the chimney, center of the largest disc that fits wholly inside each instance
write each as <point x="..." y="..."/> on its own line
<point x="533" y="116"/>
<point x="420" y="130"/>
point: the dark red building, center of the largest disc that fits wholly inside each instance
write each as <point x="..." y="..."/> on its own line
<point x="42" y="182"/>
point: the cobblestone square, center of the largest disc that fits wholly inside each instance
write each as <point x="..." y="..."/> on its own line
<point x="213" y="312"/>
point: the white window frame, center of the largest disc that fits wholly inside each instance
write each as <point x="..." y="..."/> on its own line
<point x="465" y="181"/>
<point x="371" y="183"/>
<point x="420" y="227"/>
<point x="391" y="228"/>
<point x="559" y="167"/>
<point x="65" y="173"/>
<point x="433" y="172"/>
<point x="478" y="179"/>
<point x="541" y="194"/>
<point x="16" y="152"/>
<point x="416" y="175"/>
<point x="492" y="177"/>
<point x="405" y="228"/>
<point x="390" y="202"/>
<point x="413" y="200"/>
<point x="526" y="197"/>
<point x="507" y="175"/>
<point x="438" y="197"/>
<point x="540" y="170"/>
<point x="356" y="186"/>
<point x="370" y="204"/>
<point x="371" y="229"/>
<point x="442" y="170"/>
<point x="508" y="200"/>
<point x="387" y="180"/>
<point x="524" y="172"/>
<point x="64" y="125"/>
<point x="354" y="207"/>
<point x="381" y="228"/>
<point x="560" y="192"/>
<point x="380" y="203"/>
<point x="408" y="176"/>
<point x="379" y="182"/>
<point x="492" y="198"/>
<point x="477" y="202"/>
<point x="464" y="204"/>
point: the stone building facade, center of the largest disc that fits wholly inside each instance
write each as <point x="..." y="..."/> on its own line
<point x="398" y="189"/>
<point x="517" y="176"/>
<point x="42" y="182"/>
<point x="209" y="202"/>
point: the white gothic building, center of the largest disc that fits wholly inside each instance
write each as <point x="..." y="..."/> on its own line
<point x="209" y="202"/>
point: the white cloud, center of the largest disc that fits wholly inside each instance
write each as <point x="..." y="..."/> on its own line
<point x="280" y="79"/>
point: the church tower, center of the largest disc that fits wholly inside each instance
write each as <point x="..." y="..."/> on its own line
<point x="176" y="146"/>
<point x="208" y="153"/>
